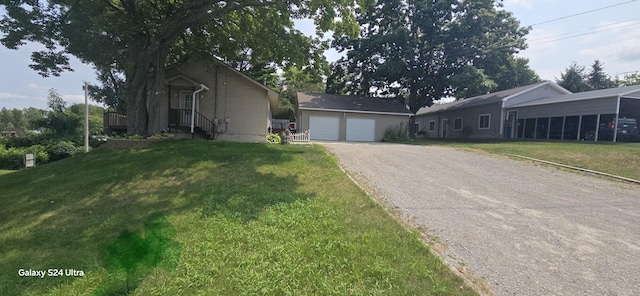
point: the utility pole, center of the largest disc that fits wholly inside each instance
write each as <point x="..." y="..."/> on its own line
<point x="86" y="117"/>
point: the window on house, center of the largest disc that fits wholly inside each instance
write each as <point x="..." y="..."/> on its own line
<point x="484" y="121"/>
<point x="457" y="123"/>
<point x="432" y="126"/>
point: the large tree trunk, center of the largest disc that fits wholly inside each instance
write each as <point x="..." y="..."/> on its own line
<point x="144" y="87"/>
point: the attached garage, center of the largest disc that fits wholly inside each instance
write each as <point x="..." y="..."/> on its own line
<point x="330" y="117"/>
<point x="324" y="128"/>
<point x="600" y="115"/>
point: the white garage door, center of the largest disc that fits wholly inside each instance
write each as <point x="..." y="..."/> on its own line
<point x="360" y="129"/>
<point x="324" y="128"/>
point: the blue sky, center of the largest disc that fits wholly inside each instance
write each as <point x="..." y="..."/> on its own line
<point x="611" y="35"/>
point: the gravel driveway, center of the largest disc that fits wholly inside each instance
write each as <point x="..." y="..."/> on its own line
<point x="524" y="229"/>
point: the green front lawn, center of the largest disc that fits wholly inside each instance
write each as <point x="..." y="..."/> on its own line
<point x="622" y="159"/>
<point x="2" y="172"/>
<point x="206" y="218"/>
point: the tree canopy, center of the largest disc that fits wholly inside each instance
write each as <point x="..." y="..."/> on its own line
<point x="425" y="50"/>
<point x="129" y="40"/>
<point x="576" y="78"/>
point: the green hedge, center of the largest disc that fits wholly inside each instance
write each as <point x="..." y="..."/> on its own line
<point x="13" y="158"/>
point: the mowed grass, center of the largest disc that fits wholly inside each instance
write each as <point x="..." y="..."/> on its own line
<point x="2" y="172"/>
<point x="622" y="159"/>
<point x="245" y="219"/>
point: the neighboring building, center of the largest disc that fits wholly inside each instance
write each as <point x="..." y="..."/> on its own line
<point x="11" y="132"/>
<point x="332" y="117"/>
<point x="228" y="105"/>
<point x="482" y="116"/>
<point x="602" y="115"/>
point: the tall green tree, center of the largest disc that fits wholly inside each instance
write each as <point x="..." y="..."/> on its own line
<point x="598" y="79"/>
<point x="294" y="80"/>
<point x="413" y="49"/>
<point x="14" y="119"/>
<point x="129" y="40"/>
<point x="574" y="79"/>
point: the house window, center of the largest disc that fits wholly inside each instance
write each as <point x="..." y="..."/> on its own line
<point x="484" y="121"/>
<point x="457" y="124"/>
<point x="432" y="126"/>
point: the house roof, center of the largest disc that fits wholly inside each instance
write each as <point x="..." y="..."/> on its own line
<point x="355" y="104"/>
<point x="496" y="97"/>
<point x="627" y="91"/>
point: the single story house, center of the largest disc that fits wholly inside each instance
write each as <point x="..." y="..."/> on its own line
<point x="333" y="117"/>
<point x="221" y="102"/>
<point x="482" y="116"/>
<point x="601" y="115"/>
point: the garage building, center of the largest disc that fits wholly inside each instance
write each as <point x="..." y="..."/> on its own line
<point x="330" y="117"/>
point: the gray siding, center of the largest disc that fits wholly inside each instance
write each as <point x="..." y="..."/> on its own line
<point x="470" y="117"/>
<point x="583" y="107"/>
<point x="532" y="95"/>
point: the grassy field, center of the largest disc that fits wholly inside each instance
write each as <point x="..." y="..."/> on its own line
<point x="206" y="218"/>
<point x="622" y="159"/>
<point x="2" y="172"/>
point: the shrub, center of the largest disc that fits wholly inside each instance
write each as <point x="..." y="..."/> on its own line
<point x="61" y="149"/>
<point x="396" y="133"/>
<point x="11" y="158"/>
<point x="467" y="131"/>
<point x="273" y="138"/>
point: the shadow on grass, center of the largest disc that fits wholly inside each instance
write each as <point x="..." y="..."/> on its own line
<point x="57" y="215"/>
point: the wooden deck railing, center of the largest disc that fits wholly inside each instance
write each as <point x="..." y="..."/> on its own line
<point x="114" y="121"/>
<point x="177" y="118"/>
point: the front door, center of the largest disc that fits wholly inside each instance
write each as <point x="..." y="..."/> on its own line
<point x="444" y="128"/>
<point x="186" y="104"/>
<point x="511" y="124"/>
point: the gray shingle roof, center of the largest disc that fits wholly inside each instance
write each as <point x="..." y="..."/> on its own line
<point x="332" y="102"/>
<point x="495" y="97"/>
<point x="632" y="91"/>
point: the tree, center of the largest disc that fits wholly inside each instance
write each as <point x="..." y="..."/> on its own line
<point x="598" y="79"/>
<point x="413" y="49"/>
<point x="574" y="79"/>
<point x="58" y="124"/>
<point x="630" y="79"/>
<point x="295" y="80"/>
<point x="129" y="40"/>
<point x="13" y="118"/>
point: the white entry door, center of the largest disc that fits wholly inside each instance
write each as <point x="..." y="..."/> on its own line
<point x="186" y="103"/>
<point x="324" y="128"/>
<point x="361" y="129"/>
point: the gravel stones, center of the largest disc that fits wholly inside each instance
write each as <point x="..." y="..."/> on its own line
<point x="525" y="229"/>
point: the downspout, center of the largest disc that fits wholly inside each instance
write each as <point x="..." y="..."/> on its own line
<point x="193" y="106"/>
<point x="215" y="104"/>
<point x="615" y="126"/>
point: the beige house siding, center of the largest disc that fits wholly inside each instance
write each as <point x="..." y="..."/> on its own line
<point x="382" y="121"/>
<point x="243" y="107"/>
<point x="247" y="111"/>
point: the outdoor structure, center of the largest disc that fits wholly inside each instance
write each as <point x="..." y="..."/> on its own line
<point x="601" y="115"/>
<point x="11" y="132"/>
<point x="331" y="117"/>
<point x="214" y="100"/>
<point x="484" y="116"/>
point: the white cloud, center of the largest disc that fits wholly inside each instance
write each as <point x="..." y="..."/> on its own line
<point x="33" y="86"/>
<point x="528" y="4"/>
<point x="626" y="51"/>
